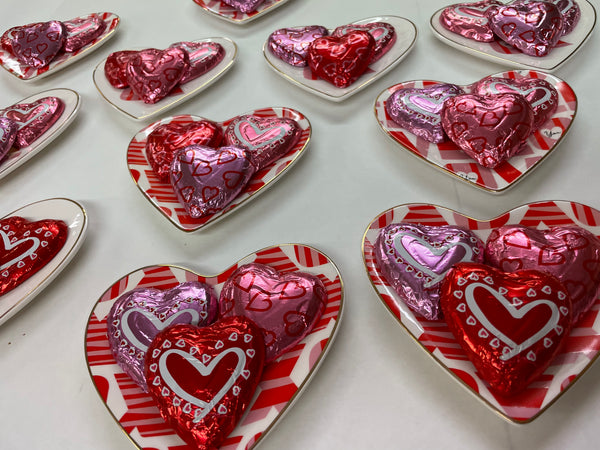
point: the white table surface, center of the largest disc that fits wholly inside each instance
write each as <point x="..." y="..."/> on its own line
<point x="376" y="388"/>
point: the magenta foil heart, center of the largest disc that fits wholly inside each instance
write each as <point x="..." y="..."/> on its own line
<point x="414" y="259"/>
<point x="570" y="12"/>
<point x="203" y="56"/>
<point x="244" y="6"/>
<point x="469" y="20"/>
<point x="8" y="134"/>
<point x="37" y="44"/>
<point x="139" y="315"/>
<point x="383" y="33"/>
<point x="291" y="44"/>
<point x="81" y="31"/>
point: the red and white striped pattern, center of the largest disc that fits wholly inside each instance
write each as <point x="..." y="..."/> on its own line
<point x="282" y="380"/>
<point x="161" y="194"/>
<point x="230" y="14"/>
<point x="580" y="348"/>
<point x="451" y="159"/>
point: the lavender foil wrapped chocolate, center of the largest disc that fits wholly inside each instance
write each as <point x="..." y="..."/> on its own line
<point x="291" y="44"/>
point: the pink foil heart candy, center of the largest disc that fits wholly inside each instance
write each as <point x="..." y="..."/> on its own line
<point x="286" y="306"/>
<point x="530" y="26"/>
<point x="418" y="110"/>
<point x="244" y="6"/>
<point x="206" y="179"/>
<point x="571" y="13"/>
<point x="291" y="44"/>
<point x="203" y="56"/>
<point x="153" y="73"/>
<point x="383" y="33"/>
<point x="33" y="119"/>
<point x="490" y="129"/>
<point x="570" y="253"/>
<point x="115" y="68"/>
<point x="469" y="20"/>
<point x="137" y="316"/>
<point x="37" y="44"/>
<point x="265" y="139"/>
<point x="415" y="258"/>
<point x="8" y="134"/>
<point x="81" y="31"/>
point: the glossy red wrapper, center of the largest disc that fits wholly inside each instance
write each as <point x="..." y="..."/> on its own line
<point x="383" y="33"/>
<point x="115" y="68"/>
<point x="510" y="325"/>
<point x="285" y="306"/>
<point x="35" y="45"/>
<point x="26" y="247"/>
<point x="81" y="31"/>
<point x="203" y="56"/>
<point x="202" y="379"/>
<point x="469" y="20"/>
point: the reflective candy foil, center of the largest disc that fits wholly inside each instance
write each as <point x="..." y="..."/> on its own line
<point x="81" y="31"/>
<point x="244" y="6"/>
<point x="35" y="45"/>
<point x="469" y="20"/>
<point x="115" y="68"/>
<point x="570" y="12"/>
<point x="291" y="44"/>
<point x="203" y="56"/>
<point x="8" y="134"/>
<point x="383" y="33"/>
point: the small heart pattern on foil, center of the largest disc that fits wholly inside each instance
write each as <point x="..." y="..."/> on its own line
<point x="8" y="134"/>
<point x="233" y="13"/>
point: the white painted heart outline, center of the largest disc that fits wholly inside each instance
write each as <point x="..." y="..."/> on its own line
<point x="8" y="245"/>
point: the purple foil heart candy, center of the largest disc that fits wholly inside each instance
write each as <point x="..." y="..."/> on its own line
<point x="8" y="134"/>
<point x="35" y="45"/>
<point x="414" y="259"/>
<point x="139" y="315"/>
<point x="291" y="44"/>
<point x="244" y="6"/>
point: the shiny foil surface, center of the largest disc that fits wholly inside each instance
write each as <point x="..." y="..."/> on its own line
<point x="571" y="13"/>
<point x="414" y="259"/>
<point x="571" y="254"/>
<point x="285" y="306"/>
<point x="265" y="139"/>
<point x="152" y="73"/>
<point x="244" y="6"/>
<point x="137" y="316"/>
<point x="541" y="95"/>
<point x="469" y="20"/>
<point x="115" y="68"/>
<point x="203" y="379"/>
<point x="35" y="45"/>
<point x="206" y="179"/>
<point x="490" y="129"/>
<point x="510" y="325"/>
<point x="8" y="134"/>
<point x="419" y="109"/>
<point x="530" y="26"/>
<point x="341" y="61"/>
<point x="202" y="56"/>
<point x="33" y="119"/>
<point x="81" y="31"/>
<point x="291" y="44"/>
<point x="165" y="140"/>
<point x="383" y="33"/>
<point x="26" y="247"/>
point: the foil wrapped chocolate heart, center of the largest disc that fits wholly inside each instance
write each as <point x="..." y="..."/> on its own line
<point x="570" y="12"/>
<point x="570" y="253"/>
<point x="152" y="73"/>
<point x="490" y="129"/>
<point x="206" y="179"/>
<point x="383" y="33"/>
<point x="285" y="306"/>
<point x="33" y="119"/>
<point x="202" y="56"/>
<point x="265" y="139"/>
<point x="341" y="61"/>
<point x="533" y="27"/>
<point x="419" y="109"/>
<point x="291" y="44"/>
<point x="415" y="258"/>
<point x="26" y="247"/>
<point x="469" y="20"/>
<point x="244" y="6"/>
<point x="115" y="68"/>
<point x="165" y="140"/>
<point x="8" y="134"/>
<point x="202" y="379"/>
<point x="137" y="316"/>
<point x="35" y="45"/>
<point x="540" y="94"/>
<point x="510" y="325"/>
<point x="81" y="31"/>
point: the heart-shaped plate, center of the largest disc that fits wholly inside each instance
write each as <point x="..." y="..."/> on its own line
<point x="505" y="54"/>
<point x="70" y="212"/>
<point x="406" y="36"/>
<point x="448" y="157"/>
<point x="133" y="409"/>
<point x="223" y="11"/>
<point x="17" y="157"/>
<point x="161" y="194"/>
<point x="12" y="65"/>
<point x="125" y="101"/>
<point x="580" y="348"/>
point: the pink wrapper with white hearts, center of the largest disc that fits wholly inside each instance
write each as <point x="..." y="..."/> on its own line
<point x="469" y="20"/>
<point x="291" y="44"/>
<point x="8" y="133"/>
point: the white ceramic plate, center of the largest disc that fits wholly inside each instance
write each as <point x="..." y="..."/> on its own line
<point x="223" y="11"/>
<point x="406" y="36"/>
<point x="138" y="110"/>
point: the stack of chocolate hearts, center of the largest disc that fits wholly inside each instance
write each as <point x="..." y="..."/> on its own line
<point x="489" y="120"/>
<point x="152" y="74"/>
<point x="531" y="26"/>
<point x="201" y="357"/>
<point x="340" y="58"/>
<point x="36" y="45"/>
<point x="509" y="303"/>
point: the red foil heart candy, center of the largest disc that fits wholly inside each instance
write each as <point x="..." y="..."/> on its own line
<point x="285" y="306"/>
<point x="265" y="139"/>
<point x="383" y="33"/>
<point x="490" y="129"/>
<point x="510" y="325"/>
<point x="341" y="61"/>
<point x="202" y="379"/>
<point x="152" y="73"/>
<point x="165" y="140"/>
<point x="8" y="134"/>
<point x="33" y="119"/>
<point x="115" y="68"/>
<point x="203" y="56"/>
<point x="206" y="180"/>
<point x="571" y="254"/>
<point x="35" y="45"/>
<point x="291" y="44"/>
<point x="26" y="247"/>
<point x="469" y="20"/>
<point x="81" y="31"/>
